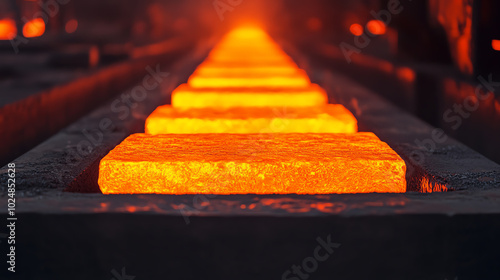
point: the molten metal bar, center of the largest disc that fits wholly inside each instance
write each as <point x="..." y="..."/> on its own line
<point x="188" y="97"/>
<point x="210" y="69"/>
<point x="296" y="80"/>
<point x="223" y="70"/>
<point x="252" y="163"/>
<point x="248" y="65"/>
<point x="328" y="119"/>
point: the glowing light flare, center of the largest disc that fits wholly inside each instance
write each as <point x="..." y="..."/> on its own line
<point x="406" y="74"/>
<point x="34" y="28"/>
<point x="314" y="24"/>
<point x="249" y="163"/>
<point x="8" y="29"/>
<point x="376" y="27"/>
<point x="495" y="44"/>
<point x="94" y="56"/>
<point x="356" y="29"/>
<point x="328" y="119"/>
<point x="188" y="97"/>
<point x="71" y="26"/>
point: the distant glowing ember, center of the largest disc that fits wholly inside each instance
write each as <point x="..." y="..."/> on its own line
<point x="314" y="24"/>
<point x="495" y="44"/>
<point x="249" y="163"/>
<point x="187" y="97"/>
<point x="34" y="28"/>
<point x="8" y="30"/>
<point x="71" y="26"/>
<point x="356" y="29"/>
<point x="376" y="27"/>
<point x="328" y="119"/>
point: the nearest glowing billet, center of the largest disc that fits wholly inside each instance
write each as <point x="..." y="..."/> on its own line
<point x="188" y="97"/>
<point x="252" y="163"/>
<point x="328" y="119"/>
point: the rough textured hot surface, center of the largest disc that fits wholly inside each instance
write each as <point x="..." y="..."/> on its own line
<point x="187" y="97"/>
<point x="252" y="163"/>
<point x="328" y="119"/>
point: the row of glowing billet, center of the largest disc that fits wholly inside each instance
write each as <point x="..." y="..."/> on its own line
<point x="250" y="121"/>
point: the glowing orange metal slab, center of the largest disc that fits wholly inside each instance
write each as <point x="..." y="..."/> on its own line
<point x="188" y="97"/>
<point x="249" y="163"/>
<point x="210" y="68"/>
<point x="216" y="72"/>
<point x="296" y="80"/>
<point x="236" y="52"/>
<point x="261" y="49"/>
<point x="252" y="60"/>
<point x="328" y="119"/>
<point x="209" y="63"/>
<point x="250" y="55"/>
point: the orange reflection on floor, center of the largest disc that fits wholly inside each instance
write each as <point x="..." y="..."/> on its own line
<point x="249" y="163"/>
<point x="186" y="96"/>
<point x="332" y="118"/>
